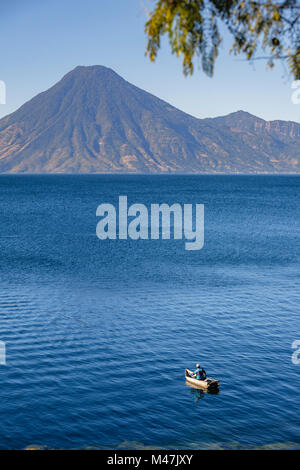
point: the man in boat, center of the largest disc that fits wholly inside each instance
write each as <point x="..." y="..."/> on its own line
<point x="199" y="373"/>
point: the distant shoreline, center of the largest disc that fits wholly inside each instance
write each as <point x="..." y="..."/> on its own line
<point x="149" y="174"/>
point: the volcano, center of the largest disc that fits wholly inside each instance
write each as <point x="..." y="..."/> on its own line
<point x="94" y="121"/>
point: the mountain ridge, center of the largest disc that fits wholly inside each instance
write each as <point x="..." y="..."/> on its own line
<point x="94" y="121"/>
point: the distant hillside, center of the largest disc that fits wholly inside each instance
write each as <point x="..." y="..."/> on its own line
<point x="93" y="121"/>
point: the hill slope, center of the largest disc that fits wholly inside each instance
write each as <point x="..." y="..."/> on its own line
<point x="93" y="121"/>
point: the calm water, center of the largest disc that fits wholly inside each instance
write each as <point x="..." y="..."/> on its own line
<point x="98" y="333"/>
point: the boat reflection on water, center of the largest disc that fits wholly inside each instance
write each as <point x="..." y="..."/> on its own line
<point x="198" y="393"/>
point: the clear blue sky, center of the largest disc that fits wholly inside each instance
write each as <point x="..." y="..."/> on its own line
<point x="41" y="40"/>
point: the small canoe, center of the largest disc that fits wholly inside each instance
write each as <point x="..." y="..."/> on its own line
<point x="207" y="384"/>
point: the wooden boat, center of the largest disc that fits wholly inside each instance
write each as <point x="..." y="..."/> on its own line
<point x="207" y="384"/>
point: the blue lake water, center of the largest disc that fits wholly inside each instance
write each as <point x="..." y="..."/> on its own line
<point x="98" y="333"/>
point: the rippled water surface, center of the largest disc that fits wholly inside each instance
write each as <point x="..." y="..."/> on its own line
<point x="98" y="333"/>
